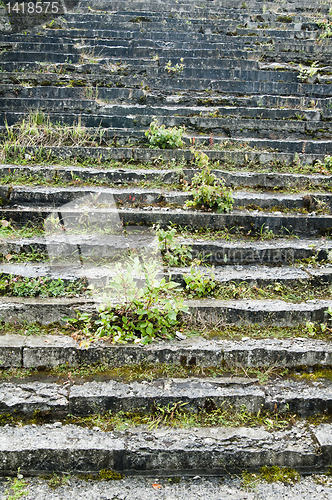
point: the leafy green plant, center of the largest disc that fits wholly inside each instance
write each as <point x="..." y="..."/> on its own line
<point x="306" y="73"/>
<point x="209" y="192"/>
<point x="163" y="415"/>
<point x="55" y="481"/>
<point x="165" y="138"/>
<point x="142" y="313"/>
<point x="326" y="164"/>
<point x="200" y="284"/>
<point x="174" y="254"/>
<point x="15" y="488"/>
<point x="19" y="286"/>
<point x="177" y="68"/>
<point x="326" y="27"/>
<point x="265" y="233"/>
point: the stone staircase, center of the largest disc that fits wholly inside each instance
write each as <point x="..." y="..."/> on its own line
<point x="245" y="382"/>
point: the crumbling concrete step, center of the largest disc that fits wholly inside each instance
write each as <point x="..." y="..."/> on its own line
<point x="273" y="252"/>
<point x="210" y="312"/>
<point x="55" y="448"/>
<point x="55" y="105"/>
<point x="226" y="127"/>
<point x="54" y="350"/>
<point x="193" y="99"/>
<point x="195" y="394"/>
<point x="254" y="275"/>
<point x="257" y="180"/>
<point x="174" y="83"/>
<point x="102" y="397"/>
<point x="113" y="175"/>
<point x="311" y="202"/>
<point x="255" y="223"/>
<point x="314" y="150"/>
<point x="219" y="252"/>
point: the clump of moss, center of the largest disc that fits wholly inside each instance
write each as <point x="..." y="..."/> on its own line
<point x="275" y="473"/>
<point x="109" y="475"/>
<point x="271" y="475"/>
<point x="6" y="418"/>
<point x="285" y="19"/>
<point x="103" y="475"/>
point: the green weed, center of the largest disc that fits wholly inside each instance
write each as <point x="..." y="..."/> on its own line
<point x="144" y="311"/>
<point x="16" y="488"/>
<point x="209" y="193"/>
<point x="174" y="254"/>
<point x="164" y="138"/>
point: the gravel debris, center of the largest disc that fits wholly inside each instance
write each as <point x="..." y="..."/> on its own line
<point x="140" y="488"/>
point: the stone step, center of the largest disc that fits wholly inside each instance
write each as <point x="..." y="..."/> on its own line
<point x="11" y="59"/>
<point x="149" y="33"/>
<point x="40" y="351"/>
<point x="254" y="223"/>
<point x="82" y="30"/>
<point x="269" y="181"/>
<point x="172" y="84"/>
<point x="195" y="394"/>
<point x="129" y="38"/>
<point x="221" y="14"/>
<point x="184" y="99"/>
<point x="202" y="312"/>
<point x="87" y="105"/>
<point x="101" y="273"/>
<point x="155" y="6"/>
<point x="232" y="47"/>
<point x="265" y="152"/>
<point x="103" y="63"/>
<point x="57" y="196"/>
<point x="219" y="252"/>
<point x="56" y="448"/>
<point x="225" y="127"/>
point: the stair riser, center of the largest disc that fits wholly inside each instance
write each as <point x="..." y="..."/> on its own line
<point x="210" y="314"/>
<point x="34" y="352"/>
<point x="227" y="128"/>
<point x="125" y="175"/>
<point x="179" y="84"/>
<point x="214" y="255"/>
<point x="255" y="224"/>
<point x="69" y="448"/>
<point x="85" y="105"/>
<point x="90" y="399"/>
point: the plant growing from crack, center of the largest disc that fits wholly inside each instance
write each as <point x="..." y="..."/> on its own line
<point x="143" y="312"/>
<point x="15" y="487"/>
<point x="199" y="283"/>
<point x="177" y="68"/>
<point x="305" y="74"/>
<point x="209" y="193"/>
<point x="173" y="253"/>
<point x="165" y="138"/>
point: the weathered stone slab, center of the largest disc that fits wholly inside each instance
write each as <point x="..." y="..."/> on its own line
<point x="11" y="350"/>
<point x="29" y="398"/>
<point x="48" y="351"/>
<point x="68" y="448"/>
